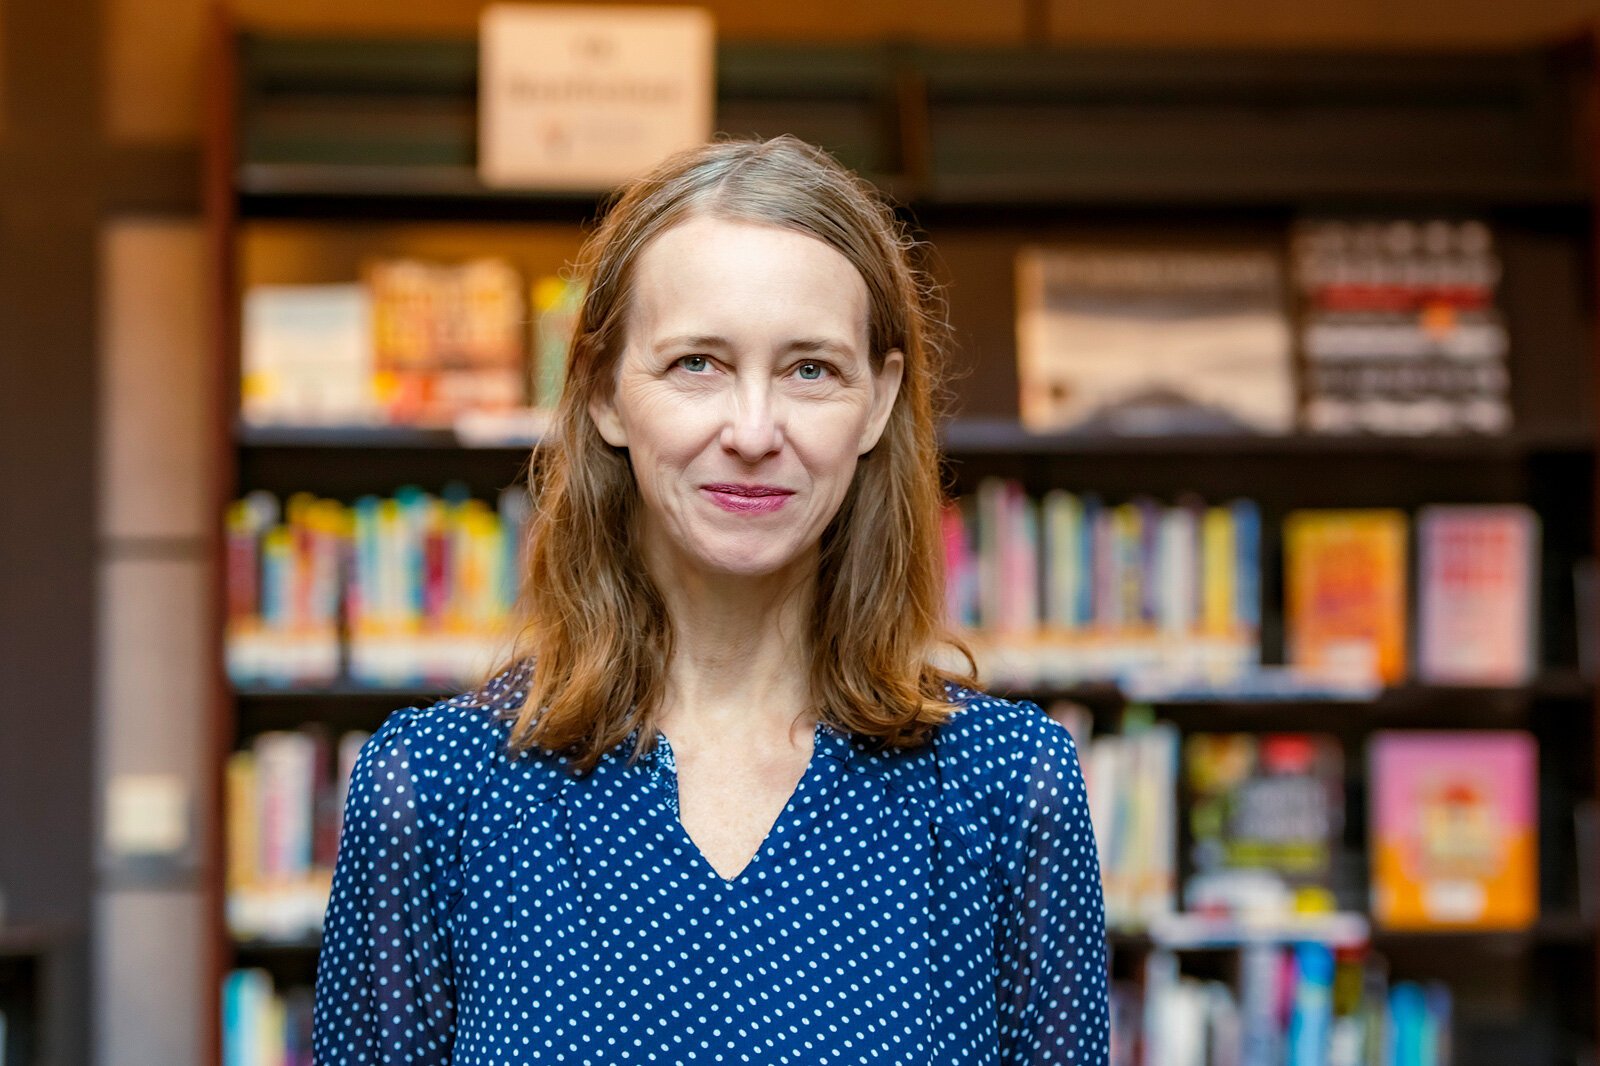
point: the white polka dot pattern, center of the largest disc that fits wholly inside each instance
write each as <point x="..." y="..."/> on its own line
<point x="936" y="906"/>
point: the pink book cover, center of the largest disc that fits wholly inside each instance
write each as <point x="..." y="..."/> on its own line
<point x="1454" y="838"/>
<point x="1477" y="588"/>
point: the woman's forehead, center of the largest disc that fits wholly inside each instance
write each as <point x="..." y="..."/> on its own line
<point x="717" y="280"/>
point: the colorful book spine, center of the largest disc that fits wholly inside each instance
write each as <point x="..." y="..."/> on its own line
<point x="1067" y="587"/>
<point x="404" y="590"/>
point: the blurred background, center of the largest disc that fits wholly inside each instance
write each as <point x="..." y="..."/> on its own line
<point x="1271" y="468"/>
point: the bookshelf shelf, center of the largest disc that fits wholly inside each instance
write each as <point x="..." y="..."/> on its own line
<point x="1552" y="931"/>
<point x="995" y="436"/>
<point x="986" y="149"/>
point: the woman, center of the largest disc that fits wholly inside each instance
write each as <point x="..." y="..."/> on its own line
<point x="722" y="805"/>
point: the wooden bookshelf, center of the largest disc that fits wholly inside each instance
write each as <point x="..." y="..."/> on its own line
<point x="984" y="149"/>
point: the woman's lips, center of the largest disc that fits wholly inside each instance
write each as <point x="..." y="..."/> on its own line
<point x="742" y="500"/>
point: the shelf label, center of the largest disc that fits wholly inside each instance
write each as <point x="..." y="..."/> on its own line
<point x="581" y="98"/>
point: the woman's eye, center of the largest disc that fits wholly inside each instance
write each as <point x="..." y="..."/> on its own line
<point x="811" y="371"/>
<point x="694" y="363"/>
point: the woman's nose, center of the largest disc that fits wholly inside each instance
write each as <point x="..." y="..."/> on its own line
<point x="753" y="429"/>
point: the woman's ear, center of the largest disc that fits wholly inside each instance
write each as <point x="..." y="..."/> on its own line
<point x="603" y="411"/>
<point x="885" y="387"/>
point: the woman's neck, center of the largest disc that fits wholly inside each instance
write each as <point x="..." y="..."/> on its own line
<point x="741" y="664"/>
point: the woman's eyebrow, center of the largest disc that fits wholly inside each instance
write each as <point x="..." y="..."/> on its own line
<point x="692" y="340"/>
<point x="822" y="344"/>
<point x="713" y="342"/>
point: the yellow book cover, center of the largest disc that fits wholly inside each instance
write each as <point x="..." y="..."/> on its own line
<point x="1454" y="829"/>
<point x="1345" y="592"/>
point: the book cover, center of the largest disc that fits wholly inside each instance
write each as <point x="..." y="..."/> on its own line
<point x="1454" y="829"/>
<point x="448" y="338"/>
<point x="1269" y="806"/>
<point x="1399" y="326"/>
<point x="1153" y="341"/>
<point x="307" y="355"/>
<point x="1345" y="593"/>
<point x="1477" y="590"/>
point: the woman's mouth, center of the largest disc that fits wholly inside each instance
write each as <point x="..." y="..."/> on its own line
<point x="747" y="499"/>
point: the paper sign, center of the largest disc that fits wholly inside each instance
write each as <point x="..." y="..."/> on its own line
<point x="147" y="814"/>
<point x="583" y="98"/>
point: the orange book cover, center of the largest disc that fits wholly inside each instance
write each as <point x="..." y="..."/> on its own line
<point x="1454" y="829"/>
<point x="1345" y="593"/>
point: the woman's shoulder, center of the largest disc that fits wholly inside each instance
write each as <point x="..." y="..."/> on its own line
<point x="460" y="741"/>
<point x="993" y="741"/>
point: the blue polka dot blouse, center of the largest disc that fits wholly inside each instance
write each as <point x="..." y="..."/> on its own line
<point x="936" y="906"/>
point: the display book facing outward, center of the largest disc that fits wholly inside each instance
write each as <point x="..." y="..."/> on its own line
<point x="1147" y="481"/>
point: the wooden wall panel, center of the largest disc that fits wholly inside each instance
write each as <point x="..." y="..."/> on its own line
<point x="1271" y="22"/>
<point x="152" y="56"/>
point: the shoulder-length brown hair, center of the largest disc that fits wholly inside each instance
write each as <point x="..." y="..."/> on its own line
<point x="590" y="621"/>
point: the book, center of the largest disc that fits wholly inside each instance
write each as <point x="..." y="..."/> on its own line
<point x="448" y="338"/>
<point x="1265" y="814"/>
<point x="1400" y="330"/>
<point x="1153" y="341"/>
<point x="1345" y="593"/>
<point x="307" y="355"/>
<point x="556" y="302"/>
<point x="1477" y="593"/>
<point x="1454" y="830"/>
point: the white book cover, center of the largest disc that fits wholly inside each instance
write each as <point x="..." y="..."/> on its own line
<point x="307" y="355"/>
<point x="1153" y="341"/>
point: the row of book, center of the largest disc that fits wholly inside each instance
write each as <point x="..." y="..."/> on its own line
<point x="1069" y="587"/>
<point x="413" y="342"/>
<point x="1452" y="833"/>
<point x="412" y="589"/>
<point x="1056" y="590"/>
<point x="285" y="807"/>
<point x="263" y="1025"/>
<point x="1381" y="325"/>
<point x="1305" y="1004"/>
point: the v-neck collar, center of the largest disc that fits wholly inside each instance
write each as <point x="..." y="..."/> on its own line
<point x="831" y="751"/>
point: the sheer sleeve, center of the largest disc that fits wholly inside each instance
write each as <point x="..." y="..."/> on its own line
<point x="1050" y="915"/>
<point x="385" y="989"/>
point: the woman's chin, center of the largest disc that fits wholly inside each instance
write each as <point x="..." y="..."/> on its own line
<point x="749" y="562"/>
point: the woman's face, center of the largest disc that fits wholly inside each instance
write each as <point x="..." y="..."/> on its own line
<point x="744" y="395"/>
